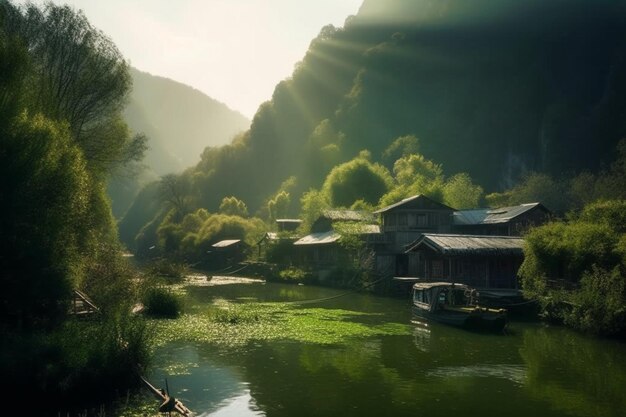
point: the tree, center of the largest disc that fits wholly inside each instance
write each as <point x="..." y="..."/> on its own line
<point x="77" y="75"/>
<point x="358" y="179"/>
<point x="232" y="206"/>
<point x="279" y="205"/>
<point x="45" y="194"/>
<point x="461" y="193"/>
<point x="174" y="190"/>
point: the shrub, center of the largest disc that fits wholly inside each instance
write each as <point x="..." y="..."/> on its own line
<point x="293" y="274"/>
<point x="599" y="306"/>
<point x="161" y="302"/>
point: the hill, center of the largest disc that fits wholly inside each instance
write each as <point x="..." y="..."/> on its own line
<point x="179" y="121"/>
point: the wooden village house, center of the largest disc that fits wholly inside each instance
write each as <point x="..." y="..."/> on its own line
<point x="478" y="261"/>
<point x="320" y="250"/>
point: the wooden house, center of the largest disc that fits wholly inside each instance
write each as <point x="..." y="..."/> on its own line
<point x="504" y="221"/>
<point x="227" y="252"/>
<point x="320" y="250"/>
<point x="476" y="260"/>
<point x="402" y="223"/>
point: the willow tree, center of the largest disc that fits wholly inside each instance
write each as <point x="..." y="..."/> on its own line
<point x="76" y="75"/>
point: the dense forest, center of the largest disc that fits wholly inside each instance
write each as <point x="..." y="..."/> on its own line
<point x="492" y="95"/>
<point x="472" y="104"/>
<point x="63" y="88"/>
<point x="178" y="122"/>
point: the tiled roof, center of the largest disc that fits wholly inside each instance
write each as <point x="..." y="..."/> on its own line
<point x="449" y="244"/>
<point x="225" y="243"/>
<point x="490" y="216"/>
<point x="319" y="238"/>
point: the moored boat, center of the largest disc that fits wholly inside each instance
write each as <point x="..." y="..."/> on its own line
<point x="454" y="304"/>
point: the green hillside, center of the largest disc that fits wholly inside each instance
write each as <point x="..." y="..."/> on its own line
<point x="493" y="89"/>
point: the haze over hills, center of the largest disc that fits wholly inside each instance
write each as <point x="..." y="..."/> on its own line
<point x="492" y="89"/>
<point x="179" y="121"/>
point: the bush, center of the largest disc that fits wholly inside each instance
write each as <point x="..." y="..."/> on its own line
<point x="293" y="274"/>
<point x="599" y="306"/>
<point x="162" y="302"/>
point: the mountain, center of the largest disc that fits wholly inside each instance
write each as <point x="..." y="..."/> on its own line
<point x="179" y="121"/>
<point x="495" y="89"/>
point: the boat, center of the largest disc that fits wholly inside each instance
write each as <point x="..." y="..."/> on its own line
<point x="455" y="304"/>
<point x="168" y="404"/>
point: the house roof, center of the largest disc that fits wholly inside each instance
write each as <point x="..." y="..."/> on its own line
<point x="409" y="200"/>
<point x="492" y="216"/>
<point x="319" y="238"/>
<point x="288" y="221"/>
<point x="449" y="244"/>
<point x="225" y="243"/>
<point x="348" y="215"/>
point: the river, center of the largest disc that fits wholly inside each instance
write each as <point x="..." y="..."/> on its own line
<point x="279" y="354"/>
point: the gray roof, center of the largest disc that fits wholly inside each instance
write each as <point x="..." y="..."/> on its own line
<point x="319" y="238"/>
<point x="408" y="200"/>
<point x="225" y="243"/>
<point x="348" y="215"/>
<point x="491" y="216"/>
<point x="428" y="285"/>
<point x="288" y="221"/>
<point x="448" y="244"/>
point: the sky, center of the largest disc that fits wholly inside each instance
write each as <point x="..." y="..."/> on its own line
<point x="235" y="51"/>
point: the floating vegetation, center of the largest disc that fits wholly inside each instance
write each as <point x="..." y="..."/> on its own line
<point x="236" y="324"/>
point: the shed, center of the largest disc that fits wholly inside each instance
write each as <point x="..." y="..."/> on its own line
<point x="477" y="260"/>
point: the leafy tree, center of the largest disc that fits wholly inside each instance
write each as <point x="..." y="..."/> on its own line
<point x="461" y="193"/>
<point x="45" y="200"/>
<point x="278" y="207"/>
<point x="175" y="191"/>
<point x="313" y="203"/>
<point x="232" y="206"/>
<point x="401" y="147"/>
<point x="358" y="179"/>
<point x="77" y="75"/>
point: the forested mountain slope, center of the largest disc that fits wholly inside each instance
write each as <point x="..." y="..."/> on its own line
<point x="493" y="89"/>
<point x="179" y="121"/>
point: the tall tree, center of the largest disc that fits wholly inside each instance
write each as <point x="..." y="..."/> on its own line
<point x="77" y="75"/>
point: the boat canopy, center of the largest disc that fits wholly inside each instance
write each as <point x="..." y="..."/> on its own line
<point x="429" y="285"/>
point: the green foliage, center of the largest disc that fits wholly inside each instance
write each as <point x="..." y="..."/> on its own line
<point x="313" y="204"/>
<point x="66" y="51"/>
<point x="278" y="206"/>
<point x="232" y="206"/>
<point x="599" y="306"/>
<point x="401" y="147"/>
<point x="564" y="251"/>
<point x="358" y="179"/>
<point x="45" y="202"/>
<point x="611" y="213"/>
<point x="577" y="269"/>
<point x="461" y="193"/>
<point x="161" y="302"/>
<point x="293" y="274"/>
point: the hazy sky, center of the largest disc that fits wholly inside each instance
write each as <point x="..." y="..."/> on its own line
<point x="235" y="51"/>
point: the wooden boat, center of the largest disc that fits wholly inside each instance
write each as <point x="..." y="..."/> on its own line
<point x="454" y="304"/>
<point x="168" y="403"/>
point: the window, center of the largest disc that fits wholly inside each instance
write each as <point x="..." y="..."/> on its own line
<point x="436" y="269"/>
<point x="422" y="220"/>
<point x="391" y="220"/>
<point x="402" y="219"/>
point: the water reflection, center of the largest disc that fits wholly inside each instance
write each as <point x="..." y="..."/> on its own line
<point x="435" y="370"/>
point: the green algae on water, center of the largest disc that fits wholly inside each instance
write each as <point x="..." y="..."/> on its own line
<point x="236" y="324"/>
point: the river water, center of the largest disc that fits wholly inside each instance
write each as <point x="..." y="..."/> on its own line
<point x="362" y="355"/>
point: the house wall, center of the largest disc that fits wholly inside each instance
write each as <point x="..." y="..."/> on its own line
<point x="479" y="271"/>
